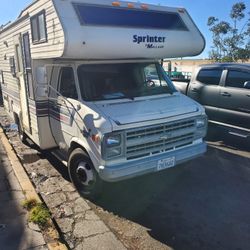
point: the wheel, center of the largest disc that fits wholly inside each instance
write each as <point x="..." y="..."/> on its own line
<point x="83" y="174"/>
<point x="21" y="133"/>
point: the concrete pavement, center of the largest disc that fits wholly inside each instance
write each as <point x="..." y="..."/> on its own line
<point x="15" y="231"/>
<point x="79" y="227"/>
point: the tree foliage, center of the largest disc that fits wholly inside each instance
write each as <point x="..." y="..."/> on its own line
<point x="231" y="40"/>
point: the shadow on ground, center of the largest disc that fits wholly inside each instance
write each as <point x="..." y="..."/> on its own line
<point x="203" y="204"/>
<point x="11" y="223"/>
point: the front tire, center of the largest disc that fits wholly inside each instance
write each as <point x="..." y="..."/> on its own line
<point x="83" y="174"/>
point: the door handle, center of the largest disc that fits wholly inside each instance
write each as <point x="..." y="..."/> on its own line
<point x="225" y="94"/>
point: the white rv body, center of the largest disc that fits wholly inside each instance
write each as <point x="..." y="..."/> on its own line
<point x="57" y="39"/>
<point x="87" y="42"/>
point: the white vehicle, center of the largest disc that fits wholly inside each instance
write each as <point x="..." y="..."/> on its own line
<point x="83" y="79"/>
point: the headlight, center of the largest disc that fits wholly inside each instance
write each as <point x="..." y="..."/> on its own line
<point x="201" y="127"/>
<point x="201" y="122"/>
<point x="112" y="146"/>
<point x="113" y="152"/>
<point x="113" y="140"/>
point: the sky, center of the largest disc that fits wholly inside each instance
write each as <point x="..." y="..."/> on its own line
<point x="199" y="10"/>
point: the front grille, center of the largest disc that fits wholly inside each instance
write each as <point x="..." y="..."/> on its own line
<point x="152" y="140"/>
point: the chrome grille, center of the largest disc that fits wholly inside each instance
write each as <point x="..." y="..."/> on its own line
<point x="157" y="139"/>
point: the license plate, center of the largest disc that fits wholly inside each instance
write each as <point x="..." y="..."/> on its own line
<point x="166" y="163"/>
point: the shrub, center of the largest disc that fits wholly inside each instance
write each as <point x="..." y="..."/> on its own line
<point x="39" y="215"/>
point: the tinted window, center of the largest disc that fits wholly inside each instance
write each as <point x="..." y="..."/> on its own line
<point x="67" y="83"/>
<point x="116" y="16"/>
<point x="237" y="78"/>
<point x="38" y="28"/>
<point x="210" y="76"/>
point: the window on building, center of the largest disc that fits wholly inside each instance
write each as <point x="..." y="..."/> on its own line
<point x="237" y="79"/>
<point x="67" y="86"/>
<point x="38" y="28"/>
<point x="210" y="76"/>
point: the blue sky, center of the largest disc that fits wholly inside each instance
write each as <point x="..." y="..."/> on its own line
<point x="200" y="10"/>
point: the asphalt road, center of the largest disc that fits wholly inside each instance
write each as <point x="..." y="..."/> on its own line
<point x="203" y="204"/>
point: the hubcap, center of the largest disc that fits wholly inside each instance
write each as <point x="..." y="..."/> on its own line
<point x="84" y="174"/>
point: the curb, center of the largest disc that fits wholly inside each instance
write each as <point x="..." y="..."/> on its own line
<point x="26" y="185"/>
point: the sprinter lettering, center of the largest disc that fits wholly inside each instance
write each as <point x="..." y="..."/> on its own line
<point x="148" y="39"/>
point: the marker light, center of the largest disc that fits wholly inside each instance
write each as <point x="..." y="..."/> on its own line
<point x="95" y="138"/>
<point x="144" y="6"/>
<point x="130" y="5"/>
<point x="117" y="4"/>
<point x="181" y="10"/>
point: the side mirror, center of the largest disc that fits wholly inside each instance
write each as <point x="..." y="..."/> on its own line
<point x="247" y="85"/>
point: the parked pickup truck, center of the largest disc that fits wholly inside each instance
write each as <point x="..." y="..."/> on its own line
<point x="224" y="91"/>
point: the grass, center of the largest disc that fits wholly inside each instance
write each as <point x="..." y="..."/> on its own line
<point x="29" y="204"/>
<point x="38" y="213"/>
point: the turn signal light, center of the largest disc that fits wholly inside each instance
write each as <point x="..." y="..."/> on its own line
<point x="95" y="138"/>
<point x="117" y="4"/>
<point x="130" y="5"/>
<point x="144" y="6"/>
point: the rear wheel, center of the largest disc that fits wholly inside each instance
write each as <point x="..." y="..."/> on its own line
<point x="83" y="174"/>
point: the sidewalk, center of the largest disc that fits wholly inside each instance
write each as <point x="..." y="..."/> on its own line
<point x="15" y="231"/>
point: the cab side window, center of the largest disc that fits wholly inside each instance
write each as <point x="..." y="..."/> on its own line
<point x="237" y="79"/>
<point x="67" y="86"/>
<point x="209" y="76"/>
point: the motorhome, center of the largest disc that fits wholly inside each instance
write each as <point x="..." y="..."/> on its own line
<point x="83" y="79"/>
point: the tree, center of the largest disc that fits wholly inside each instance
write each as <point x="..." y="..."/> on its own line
<point x="231" y="41"/>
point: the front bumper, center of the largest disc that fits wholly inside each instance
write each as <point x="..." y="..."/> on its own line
<point x="138" y="167"/>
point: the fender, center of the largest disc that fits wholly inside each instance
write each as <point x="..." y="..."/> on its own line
<point x="91" y="152"/>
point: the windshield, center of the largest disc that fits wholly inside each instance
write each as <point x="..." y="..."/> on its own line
<point x="127" y="80"/>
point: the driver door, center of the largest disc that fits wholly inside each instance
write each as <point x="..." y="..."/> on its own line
<point x="62" y="103"/>
<point x="235" y="99"/>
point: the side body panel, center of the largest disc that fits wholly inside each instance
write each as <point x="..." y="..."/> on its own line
<point x="16" y="99"/>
